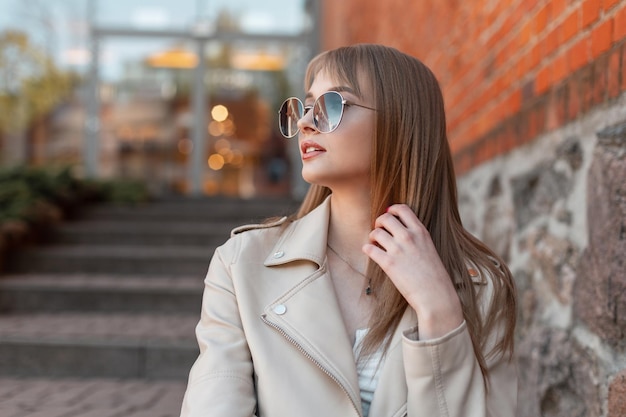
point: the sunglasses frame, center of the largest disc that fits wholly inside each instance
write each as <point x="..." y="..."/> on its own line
<point x="306" y="109"/>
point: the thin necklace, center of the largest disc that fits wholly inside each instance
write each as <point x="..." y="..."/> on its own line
<point x="368" y="290"/>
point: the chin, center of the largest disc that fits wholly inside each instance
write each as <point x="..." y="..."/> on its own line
<point x="314" y="178"/>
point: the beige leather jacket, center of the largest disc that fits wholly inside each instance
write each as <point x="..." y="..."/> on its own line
<point x="273" y="344"/>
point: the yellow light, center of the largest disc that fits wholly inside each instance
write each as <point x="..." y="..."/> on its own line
<point x="258" y="61"/>
<point x="227" y="154"/>
<point x="237" y="159"/>
<point x="219" y="113"/>
<point x="228" y="128"/>
<point x="185" y="146"/>
<point x="216" y="128"/>
<point x="173" y="58"/>
<point x="216" y="162"/>
<point x="221" y="144"/>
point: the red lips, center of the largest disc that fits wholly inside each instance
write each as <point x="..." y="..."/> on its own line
<point x="310" y="149"/>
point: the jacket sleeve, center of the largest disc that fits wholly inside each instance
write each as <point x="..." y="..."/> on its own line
<point x="444" y="378"/>
<point x="221" y="380"/>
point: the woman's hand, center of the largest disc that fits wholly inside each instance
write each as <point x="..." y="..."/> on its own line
<point x="403" y="248"/>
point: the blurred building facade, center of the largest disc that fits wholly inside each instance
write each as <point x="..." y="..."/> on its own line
<point x="536" y="103"/>
<point x="181" y="95"/>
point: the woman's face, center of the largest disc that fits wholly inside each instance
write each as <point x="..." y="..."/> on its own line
<point x="340" y="158"/>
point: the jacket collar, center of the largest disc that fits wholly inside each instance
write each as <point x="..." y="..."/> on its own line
<point x="303" y="239"/>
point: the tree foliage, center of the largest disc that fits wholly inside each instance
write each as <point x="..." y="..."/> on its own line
<point x="30" y="83"/>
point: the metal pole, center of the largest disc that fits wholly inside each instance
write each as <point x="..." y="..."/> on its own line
<point x="92" y="119"/>
<point x="198" y="155"/>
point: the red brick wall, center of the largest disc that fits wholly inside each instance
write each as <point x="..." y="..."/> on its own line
<point x="509" y="69"/>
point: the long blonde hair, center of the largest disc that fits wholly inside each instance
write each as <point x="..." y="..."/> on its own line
<point x="412" y="164"/>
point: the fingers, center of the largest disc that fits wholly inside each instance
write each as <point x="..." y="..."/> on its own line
<point x="405" y="214"/>
<point x="401" y="222"/>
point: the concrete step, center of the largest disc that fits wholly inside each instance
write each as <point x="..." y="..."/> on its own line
<point x="232" y="210"/>
<point x="143" y="346"/>
<point x="100" y="293"/>
<point x="111" y="232"/>
<point x="92" y="397"/>
<point x="121" y="259"/>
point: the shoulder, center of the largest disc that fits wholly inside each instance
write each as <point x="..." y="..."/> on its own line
<point x="252" y="242"/>
<point x="275" y="223"/>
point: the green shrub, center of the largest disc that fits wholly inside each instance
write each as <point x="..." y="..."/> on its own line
<point x="40" y="195"/>
<point x="118" y="191"/>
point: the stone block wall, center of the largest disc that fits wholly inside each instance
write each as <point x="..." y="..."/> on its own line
<point x="556" y="210"/>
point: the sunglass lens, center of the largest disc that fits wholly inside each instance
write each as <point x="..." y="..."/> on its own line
<point x="327" y="112"/>
<point x="290" y="112"/>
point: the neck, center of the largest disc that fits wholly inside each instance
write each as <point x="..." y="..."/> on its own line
<point x="349" y="226"/>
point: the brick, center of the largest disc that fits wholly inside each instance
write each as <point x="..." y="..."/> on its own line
<point x="608" y="4"/>
<point x="507" y="142"/>
<point x="620" y="24"/>
<point x="504" y="55"/>
<point x="559" y="68"/>
<point x="526" y="33"/>
<point x="574" y="102"/>
<point x="617" y="395"/>
<point x="600" y="79"/>
<point x="578" y="54"/>
<point x="585" y="90"/>
<point x="623" y="72"/>
<point x="542" y="81"/>
<point x="558" y="7"/>
<point x="538" y="117"/>
<point x="551" y="42"/>
<point x="590" y="12"/>
<point x="540" y="21"/>
<point x="514" y="102"/>
<point x="535" y="56"/>
<point x="613" y="85"/>
<point x="462" y="163"/>
<point x="601" y="38"/>
<point x="552" y="112"/>
<point x="569" y="27"/>
<point x="528" y="5"/>
<point x="485" y="150"/>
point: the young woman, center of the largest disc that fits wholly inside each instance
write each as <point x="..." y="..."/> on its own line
<point x="372" y="300"/>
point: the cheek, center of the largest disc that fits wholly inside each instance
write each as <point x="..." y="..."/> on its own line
<point x="357" y="153"/>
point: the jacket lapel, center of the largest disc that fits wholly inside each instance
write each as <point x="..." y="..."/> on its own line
<point x="308" y="314"/>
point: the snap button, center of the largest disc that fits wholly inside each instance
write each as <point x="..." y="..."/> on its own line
<point x="279" y="254"/>
<point x="280" y="309"/>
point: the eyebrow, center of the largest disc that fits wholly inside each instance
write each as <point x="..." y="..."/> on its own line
<point x="338" y="89"/>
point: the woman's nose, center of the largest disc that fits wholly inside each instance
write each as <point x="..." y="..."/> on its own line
<point x="305" y="124"/>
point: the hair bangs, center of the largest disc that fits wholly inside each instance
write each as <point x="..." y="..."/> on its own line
<point x="341" y="65"/>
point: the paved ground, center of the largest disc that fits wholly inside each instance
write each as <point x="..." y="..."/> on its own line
<point x="31" y="397"/>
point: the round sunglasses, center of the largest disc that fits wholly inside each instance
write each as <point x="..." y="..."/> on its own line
<point x="327" y="113"/>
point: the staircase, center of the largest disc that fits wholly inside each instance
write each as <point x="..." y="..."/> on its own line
<point x="117" y="294"/>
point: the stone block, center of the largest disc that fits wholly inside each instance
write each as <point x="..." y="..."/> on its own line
<point x="559" y="378"/>
<point x="498" y="223"/>
<point x="557" y="260"/>
<point x="536" y="192"/>
<point x="600" y="288"/>
<point x="617" y="396"/>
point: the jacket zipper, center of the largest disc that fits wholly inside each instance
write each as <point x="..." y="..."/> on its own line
<point x="312" y="359"/>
